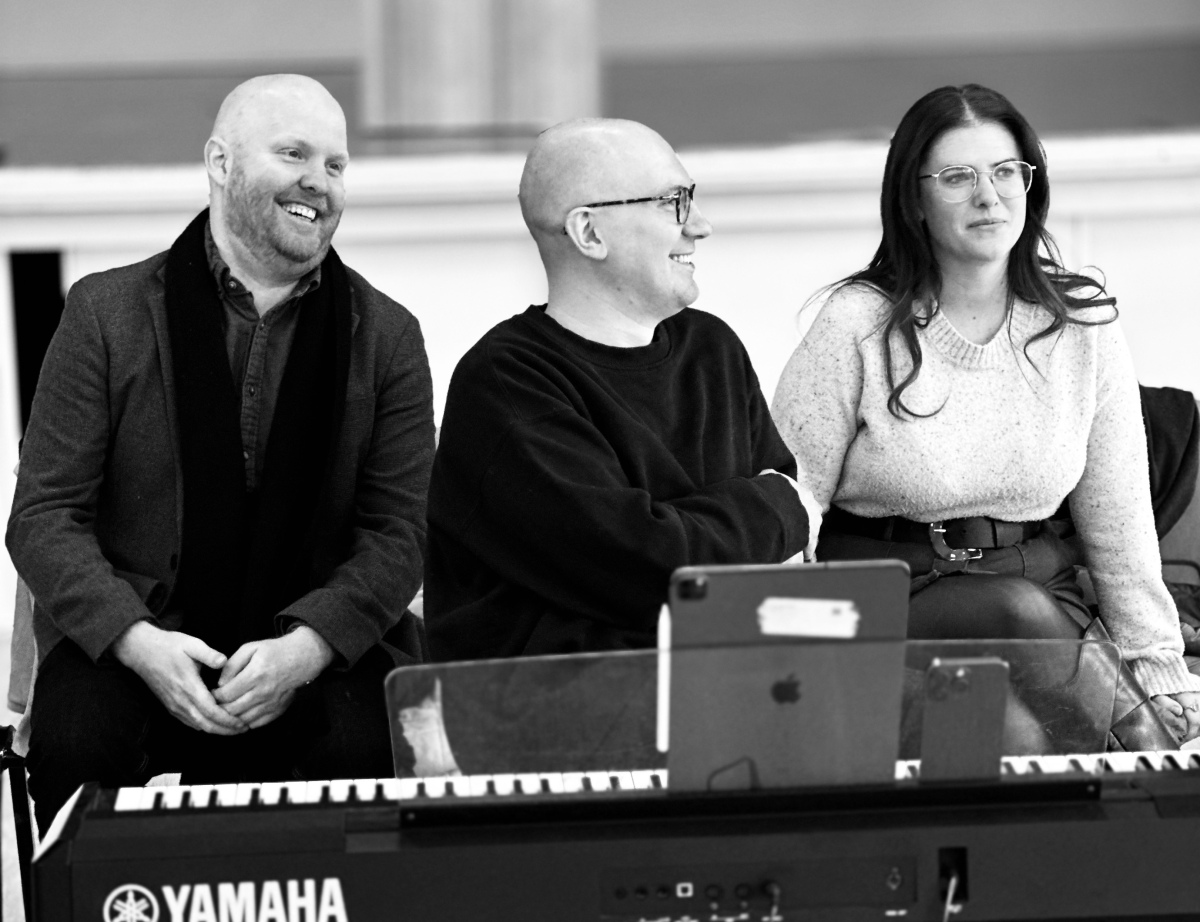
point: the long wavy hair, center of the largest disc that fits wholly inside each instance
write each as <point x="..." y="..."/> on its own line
<point x="904" y="267"/>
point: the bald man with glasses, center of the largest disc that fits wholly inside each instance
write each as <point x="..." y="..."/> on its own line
<point x="593" y="444"/>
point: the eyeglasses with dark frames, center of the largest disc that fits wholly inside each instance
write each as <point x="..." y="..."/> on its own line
<point x="1010" y="179"/>
<point x="682" y="197"/>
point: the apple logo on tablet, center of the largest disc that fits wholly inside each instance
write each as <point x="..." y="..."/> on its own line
<point x="786" y="691"/>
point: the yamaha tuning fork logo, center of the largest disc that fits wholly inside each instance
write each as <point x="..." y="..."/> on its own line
<point x="243" y="901"/>
<point x="130" y="903"/>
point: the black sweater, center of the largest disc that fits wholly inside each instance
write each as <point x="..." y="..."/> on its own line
<point x="572" y="478"/>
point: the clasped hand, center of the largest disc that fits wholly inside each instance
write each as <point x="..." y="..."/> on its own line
<point x="257" y="683"/>
<point x="1180" y="712"/>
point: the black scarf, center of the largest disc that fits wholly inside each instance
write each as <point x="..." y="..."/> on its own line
<point x="246" y="556"/>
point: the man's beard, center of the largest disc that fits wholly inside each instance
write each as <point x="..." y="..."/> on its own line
<point x="254" y="217"/>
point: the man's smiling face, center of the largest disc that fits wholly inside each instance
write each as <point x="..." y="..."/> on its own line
<point x="285" y="193"/>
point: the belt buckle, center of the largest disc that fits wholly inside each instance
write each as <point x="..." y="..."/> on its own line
<point x="937" y="539"/>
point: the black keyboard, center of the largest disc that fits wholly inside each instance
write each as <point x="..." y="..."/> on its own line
<point x="1057" y="837"/>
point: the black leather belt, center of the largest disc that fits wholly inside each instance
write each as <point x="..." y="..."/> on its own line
<point x="952" y="539"/>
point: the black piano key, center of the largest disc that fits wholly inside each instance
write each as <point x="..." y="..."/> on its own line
<point x="546" y="786"/>
<point x="491" y="786"/>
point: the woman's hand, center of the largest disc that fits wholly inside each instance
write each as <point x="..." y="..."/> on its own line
<point x="1180" y="712"/>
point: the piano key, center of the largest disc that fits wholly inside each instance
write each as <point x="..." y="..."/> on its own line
<point x="480" y="785"/>
<point x="504" y="784"/>
<point x="573" y="782"/>
<point x="599" y="781"/>
<point x="1120" y="761"/>
<point x="434" y="787"/>
<point x="406" y="788"/>
<point x="551" y="781"/>
<point x="245" y="794"/>
<point x="339" y="790"/>
<point x="128" y="799"/>
<point x="315" y="791"/>
<point x="296" y="791"/>
<point x="658" y="778"/>
<point x="906" y="769"/>
<point x="365" y="789"/>
<point x="529" y="783"/>
<point x="172" y="797"/>
<point x="642" y="780"/>
<point x="199" y="796"/>
<point x="623" y="781"/>
<point x="149" y="798"/>
<point x="226" y="795"/>
<point x="458" y="785"/>
<point x="393" y="788"/>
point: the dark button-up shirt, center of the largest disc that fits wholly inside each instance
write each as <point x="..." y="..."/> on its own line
<point x="258" y="349"/>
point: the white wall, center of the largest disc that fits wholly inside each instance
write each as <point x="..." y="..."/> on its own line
<point x="70" y="35"/>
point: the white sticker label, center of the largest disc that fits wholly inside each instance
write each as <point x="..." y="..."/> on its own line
<point x="786" y="617"/>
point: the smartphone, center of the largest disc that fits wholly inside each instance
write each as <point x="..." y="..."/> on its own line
<point x="962" y="727"/>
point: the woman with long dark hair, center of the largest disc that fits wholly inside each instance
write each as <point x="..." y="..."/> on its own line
<point x="950" y="396"/>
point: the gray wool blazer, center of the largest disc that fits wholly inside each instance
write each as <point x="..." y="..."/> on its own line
<point x="97" y="519"/>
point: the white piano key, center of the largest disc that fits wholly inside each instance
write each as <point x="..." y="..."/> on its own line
<point x="268" y="792"/>
<point x="1055" y="764"/>
<point x="128" y="799"/>
<point x="572" y="782"/>
<point x="907" y="769"/>
<point x="365" y="789"/>
<point x="226" y="795"/>
<point x="314" y="791"/>
<point x="1120" y="761"/>
<point x="459" y="785"/>
<point x="393" y="788"/>
<point x="339" y="790"/>
<point x="406" y="788"/>
<point x="435" y="787"/>
<point x="642" y="780"/>
<point x="623" y="780"/>
<point x="149" y="795"/>
<point x="479" y="785"/>
<point x="659" y="778"/>
<point x="245" y="793"/>
<point x="172" y="796"/>
<point x="504" y="784"/>
<point x="529" y="783"/>
<point x="552" y="781"/>
<point x="297" y="791"/>
<point x="1088" y="763"/>
<point x="600" y="781"/>
<point x="199" y="794"/>
<point x="1018" y="765"/>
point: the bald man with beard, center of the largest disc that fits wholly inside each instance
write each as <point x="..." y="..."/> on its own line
<point x="221" y="503"/>
<point x="592" y="445"/>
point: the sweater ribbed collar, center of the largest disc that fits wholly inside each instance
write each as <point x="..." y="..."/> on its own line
<point x="598" y="353"/>
<point x="1022" y="323"/>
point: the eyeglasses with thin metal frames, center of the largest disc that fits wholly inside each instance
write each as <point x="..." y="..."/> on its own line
<point x="682" y="197"/>
<point x="1002" y="188"/>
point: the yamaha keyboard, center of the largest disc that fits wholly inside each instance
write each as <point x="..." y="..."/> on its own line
<point x="1060" y="837"/>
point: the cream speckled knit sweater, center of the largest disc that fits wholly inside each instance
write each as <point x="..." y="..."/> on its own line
<point x="1010" y="441"/>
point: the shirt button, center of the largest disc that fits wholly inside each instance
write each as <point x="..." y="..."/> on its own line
<point x="246" y="455"/>
<point x="252" y="390"/>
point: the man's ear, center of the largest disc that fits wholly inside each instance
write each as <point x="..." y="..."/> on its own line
<point x="217" y="160"/>
<point x="581" y="227"/>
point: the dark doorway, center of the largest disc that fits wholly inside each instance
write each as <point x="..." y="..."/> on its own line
<point x="37" y="306"/>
